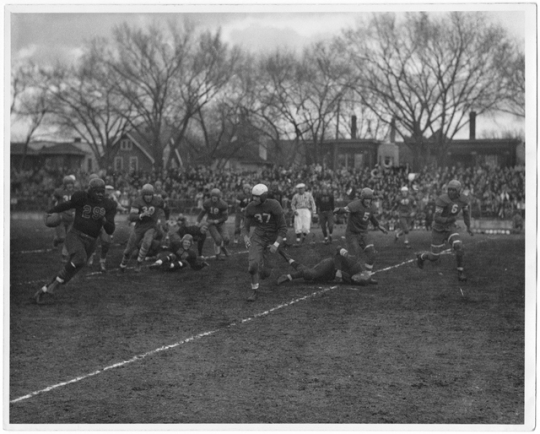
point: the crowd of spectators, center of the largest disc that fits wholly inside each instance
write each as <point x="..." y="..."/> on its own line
<point x="494" y="192"/>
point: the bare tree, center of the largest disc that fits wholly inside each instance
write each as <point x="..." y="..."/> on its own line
<point x="428" y="73"/>
<point x="83" y="101"/>
<point x="513" y="72"/>
<point x="29" y="102"/>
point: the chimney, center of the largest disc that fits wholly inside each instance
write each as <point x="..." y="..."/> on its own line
<point x="353" y="127"/>
<point x="472" y="126"/>
<point x="393" y="130"/>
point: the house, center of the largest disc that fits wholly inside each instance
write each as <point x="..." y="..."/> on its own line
<point x="49" y="154"/>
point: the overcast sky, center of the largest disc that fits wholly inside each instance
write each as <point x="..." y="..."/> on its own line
<point x="58" y="32"/>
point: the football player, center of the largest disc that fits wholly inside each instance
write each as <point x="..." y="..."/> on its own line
<point x="93" y="211"/>
<point x="146" y="211"/>
<point x="360" y="213"/>
<point x="266" y="215"/>
<point x="341" y="267"/>
<point x="406" y="207"/>
<point x="217" y="212"/>
<point x="198" y="232"/>
<point x="447" y="208"/>
<point x="181" y="255"/>
<point x="242" y="201"/>
<point x="61" y="195"/>
<point x="104" y="237"/>
<point x="325" y="205"/>
<point x="302" y="205"/>
<point x="158" y="191"/>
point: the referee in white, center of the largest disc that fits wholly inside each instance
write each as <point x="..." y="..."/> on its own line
<point x="303" y="205"/>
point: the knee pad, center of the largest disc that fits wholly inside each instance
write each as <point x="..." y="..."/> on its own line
<point x="253" y="268"/>
<point x="457" y="246"/>
<point x="370" y="254"/>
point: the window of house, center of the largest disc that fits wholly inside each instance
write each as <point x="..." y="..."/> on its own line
<point x="118" y="163"/>
<point x="126" y="145"/>
<point x="133" y="163"/>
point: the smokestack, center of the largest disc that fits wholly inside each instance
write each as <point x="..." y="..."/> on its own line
<point x="353" y="127"/>
<point x="393" y="130"/>
<point x="472" y="126"/>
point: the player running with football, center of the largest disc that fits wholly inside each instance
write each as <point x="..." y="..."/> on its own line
<point x="93" y="211"/>
<point x="146" y="211"/>
<point x="447" y="208"/>
<point x="406" y="207"/>
<point x="360" y="213"/>
<point x="217" y="211"/>
<point x="266" y="215"/>
<point x="342" y="267"/>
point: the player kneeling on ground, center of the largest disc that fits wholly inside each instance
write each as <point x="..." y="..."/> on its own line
<point x="341" y="267"/>
<point x="93" y="211"/>
<point x="181" y="255"/>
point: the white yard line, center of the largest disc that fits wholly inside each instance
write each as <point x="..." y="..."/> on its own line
<point x="168" y="347"/>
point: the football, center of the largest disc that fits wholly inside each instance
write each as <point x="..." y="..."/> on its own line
<point x="52" y="220"/>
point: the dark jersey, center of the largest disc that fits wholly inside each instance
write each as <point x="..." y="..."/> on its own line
<point x="165" y="197"/>
<point x="448" y="209"/>
<point x="405" y="206"/>
<point x="61" y="195"/>
<point x="360" y="216"/>
<point x="89" y="214"/>
<point x="216" y="211"/>
<point x="194" y="231"/>
<point x="155" y="209"/>
<point x="243" y="200"/>
<point x="267" y="218"/>
<point x="324" y="202"/>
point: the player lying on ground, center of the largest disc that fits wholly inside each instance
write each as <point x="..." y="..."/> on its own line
<point x="180" y="255"/>
<point x="93" y="211"/>
<point x="342" y="267"/>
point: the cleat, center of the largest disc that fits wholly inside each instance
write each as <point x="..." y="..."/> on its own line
<point x="407" y="246"/>
<point x="282" y="279"/>
<point x="156" y="265"/>
<point x="461" y="276"/>
<point x="252" y="296"/>
<point x="372" y="281"/>
<point x="138" y="267"/>
<point x="225" y="251"/>
<point x="396" y="238"/>
<point x="205" y="264"/>
<point x="326" y="241"/>
<point x="329" y="238"/>
<point x="41" y="295"/>
<point x="102" y="267"/>
<point x="419" y="260"/>
<point x="123" y="267"/>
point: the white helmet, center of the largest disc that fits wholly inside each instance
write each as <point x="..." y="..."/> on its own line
<point x="404" y="188"/>
<point x="259" y="190"/>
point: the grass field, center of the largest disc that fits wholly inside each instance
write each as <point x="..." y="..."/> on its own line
<point x="187" y="348"/>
